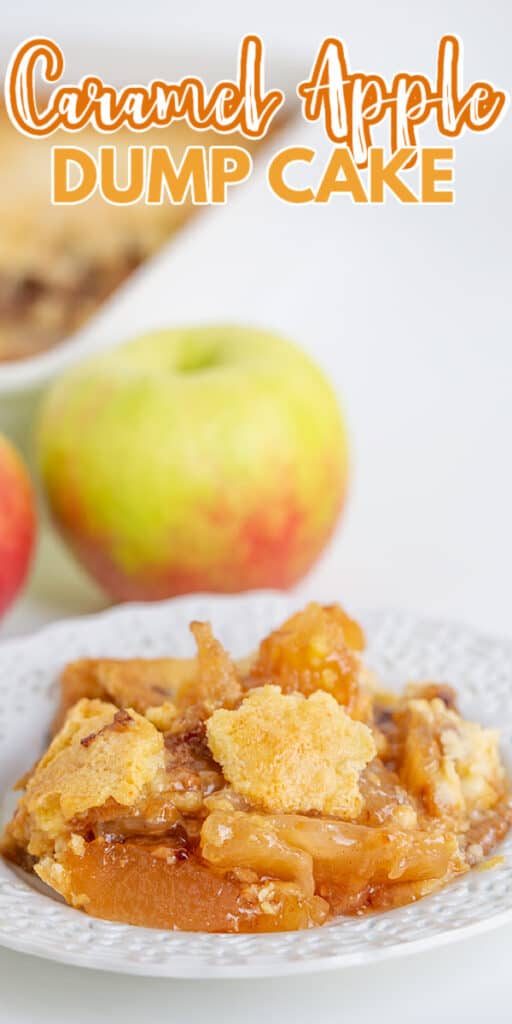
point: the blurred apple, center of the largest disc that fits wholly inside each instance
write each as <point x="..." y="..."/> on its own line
<point x="203" y="459"/>
<point x="17" y="523"/>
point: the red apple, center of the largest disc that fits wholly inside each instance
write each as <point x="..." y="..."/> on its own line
<point x="17" y="523"/>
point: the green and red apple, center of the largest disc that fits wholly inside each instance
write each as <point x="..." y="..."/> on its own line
<point x="17" y="523"/>
<point x="202" y="459"/>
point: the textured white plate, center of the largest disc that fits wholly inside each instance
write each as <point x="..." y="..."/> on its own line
<point x="400" y="648"/>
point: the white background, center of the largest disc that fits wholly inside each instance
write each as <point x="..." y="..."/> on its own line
<point x="408" y="309"/>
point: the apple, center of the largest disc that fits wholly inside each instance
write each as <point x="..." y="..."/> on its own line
<point x="17" y="523"/>
<point x="200" y="459"/>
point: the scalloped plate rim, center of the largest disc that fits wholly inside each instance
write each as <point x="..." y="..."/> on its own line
<point x="212" y="972"/>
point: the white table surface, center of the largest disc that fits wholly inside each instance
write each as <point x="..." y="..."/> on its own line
<point x="409" y="312"/>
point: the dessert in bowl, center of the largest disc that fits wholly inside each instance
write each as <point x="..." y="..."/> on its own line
<point x="61" y="266"/>
<point x="271" y="793"/>
<point x="58" y="264"/>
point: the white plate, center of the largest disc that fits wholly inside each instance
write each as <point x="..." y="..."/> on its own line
<point x="400" y="648"/>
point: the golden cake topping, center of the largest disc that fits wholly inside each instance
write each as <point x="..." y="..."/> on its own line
<point x="285" y="752"/>
<point x="101" y="753"/>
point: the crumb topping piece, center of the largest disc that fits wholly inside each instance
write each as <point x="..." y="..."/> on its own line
<point x="162" y="716"/>
<point x="454" y="765"/>
<point x="285" y="752"/>
<point x="100" y="753"/>
<point x="316" y="649"/>
<point x="217" y="681"/>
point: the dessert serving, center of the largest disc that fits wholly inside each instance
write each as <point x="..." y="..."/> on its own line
<point x="272" y="793"/>
<point x="59" y="263"/>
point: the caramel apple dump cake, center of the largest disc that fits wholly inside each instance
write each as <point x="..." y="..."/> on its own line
<point x="267" y="794"/>
<point x="59" y="263"/>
